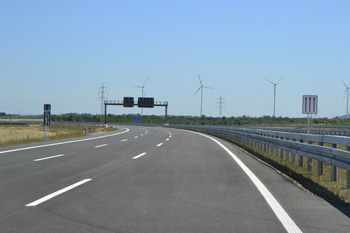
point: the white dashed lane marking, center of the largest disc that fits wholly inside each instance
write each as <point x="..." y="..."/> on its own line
<point x="51" y="157"/>
<point x="140" y="155"/>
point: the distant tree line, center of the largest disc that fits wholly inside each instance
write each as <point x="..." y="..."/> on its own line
<point x="194" y="120"/>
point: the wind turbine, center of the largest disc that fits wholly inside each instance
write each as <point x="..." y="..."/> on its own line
<point x="347" y="93"/>
<point x="142" y="87"/>
<point x="274" y="94"/>
<point x="142" y="92"/>
<point x="201" y="88"/>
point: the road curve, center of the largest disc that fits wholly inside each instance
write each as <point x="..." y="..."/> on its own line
<point x="151" y="179"/>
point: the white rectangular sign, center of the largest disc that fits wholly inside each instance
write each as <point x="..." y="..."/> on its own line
<point x="310" y="104"/>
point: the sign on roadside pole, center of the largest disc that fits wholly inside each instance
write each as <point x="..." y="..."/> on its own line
<point x="47" y="120"/>
<point x="310" y="106"/>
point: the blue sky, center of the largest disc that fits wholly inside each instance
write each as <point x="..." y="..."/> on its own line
<point x="60" y="52"/>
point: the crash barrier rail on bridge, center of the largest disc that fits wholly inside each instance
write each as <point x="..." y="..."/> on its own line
<point x="289" y="145"/>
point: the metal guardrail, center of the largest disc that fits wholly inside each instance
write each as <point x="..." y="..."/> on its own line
<point x="320" y="130"/>
<point x="290" y="145"/>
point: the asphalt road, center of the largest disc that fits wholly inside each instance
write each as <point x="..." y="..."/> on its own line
<point x="145" y="179"/>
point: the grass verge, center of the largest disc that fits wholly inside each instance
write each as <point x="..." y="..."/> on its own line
<point x="14" y="135"/>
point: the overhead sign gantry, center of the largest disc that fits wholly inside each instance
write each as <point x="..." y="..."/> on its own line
<point x="142" y="102"/>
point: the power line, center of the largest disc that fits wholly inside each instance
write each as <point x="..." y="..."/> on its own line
<point x="102" y="94"/>
<point x="221" y="105"/>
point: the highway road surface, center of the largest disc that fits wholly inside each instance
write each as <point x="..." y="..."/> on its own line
<point x="152" y="179"/>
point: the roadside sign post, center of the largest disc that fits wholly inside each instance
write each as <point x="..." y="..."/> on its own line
<point x="47" y="120"/>
<point x="310" y="106"/>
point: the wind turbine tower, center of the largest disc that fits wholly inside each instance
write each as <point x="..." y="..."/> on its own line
<point x="142" y="92"/>
<point x="274" y="94"/>
<point x="201" y="87"/>
<point x="347" y="102"/>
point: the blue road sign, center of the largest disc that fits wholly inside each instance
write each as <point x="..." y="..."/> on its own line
<point x="137" y="119"/>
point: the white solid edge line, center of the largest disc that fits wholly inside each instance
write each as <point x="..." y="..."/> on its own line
<point x="52" y="195"/>
<point x="61" y="143"/>
<point x="281" y="214"/>
<point x="101" y="145"/>
<point x="138" y="156"/>
<point x="160" y="144"/>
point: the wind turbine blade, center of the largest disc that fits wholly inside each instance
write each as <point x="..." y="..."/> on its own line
<point x="197" y="90"/>
<point x="279" y="80"/>
<point x="346" y="90"/>
<point x="144" y="92"/>
<point x="344" y="83"/>
<point x="145" y="82"/>
<point x="269" y="81"/>
<point x="137" y="86"/>
<point x="208" y="87"/>
<point x="200" y="80"/>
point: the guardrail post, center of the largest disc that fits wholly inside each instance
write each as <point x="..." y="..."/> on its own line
<point x="281" y="151"/>
<point x="348" y="173"/>
<point x="263" y="146"/>
<point x="301" y="158"/>
<point x="320" y="169"/>
<point x="309" y="160"/>
<point x="287" y="154"/>
<point x="334" y="169"/>
<point x="293" y="154"/>
<point x="271" y="150"/>
<point x="281" y="154"/>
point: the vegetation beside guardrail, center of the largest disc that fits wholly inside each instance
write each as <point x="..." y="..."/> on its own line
<point x="321" y="163"/>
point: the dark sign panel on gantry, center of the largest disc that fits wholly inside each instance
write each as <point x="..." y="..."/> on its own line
<point x="128" y="102"/>
<point x="144" y="102"/>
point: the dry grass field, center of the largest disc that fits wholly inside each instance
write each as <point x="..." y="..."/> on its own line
<point x="38" y="120"/>
<point x="11" y="135"/>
